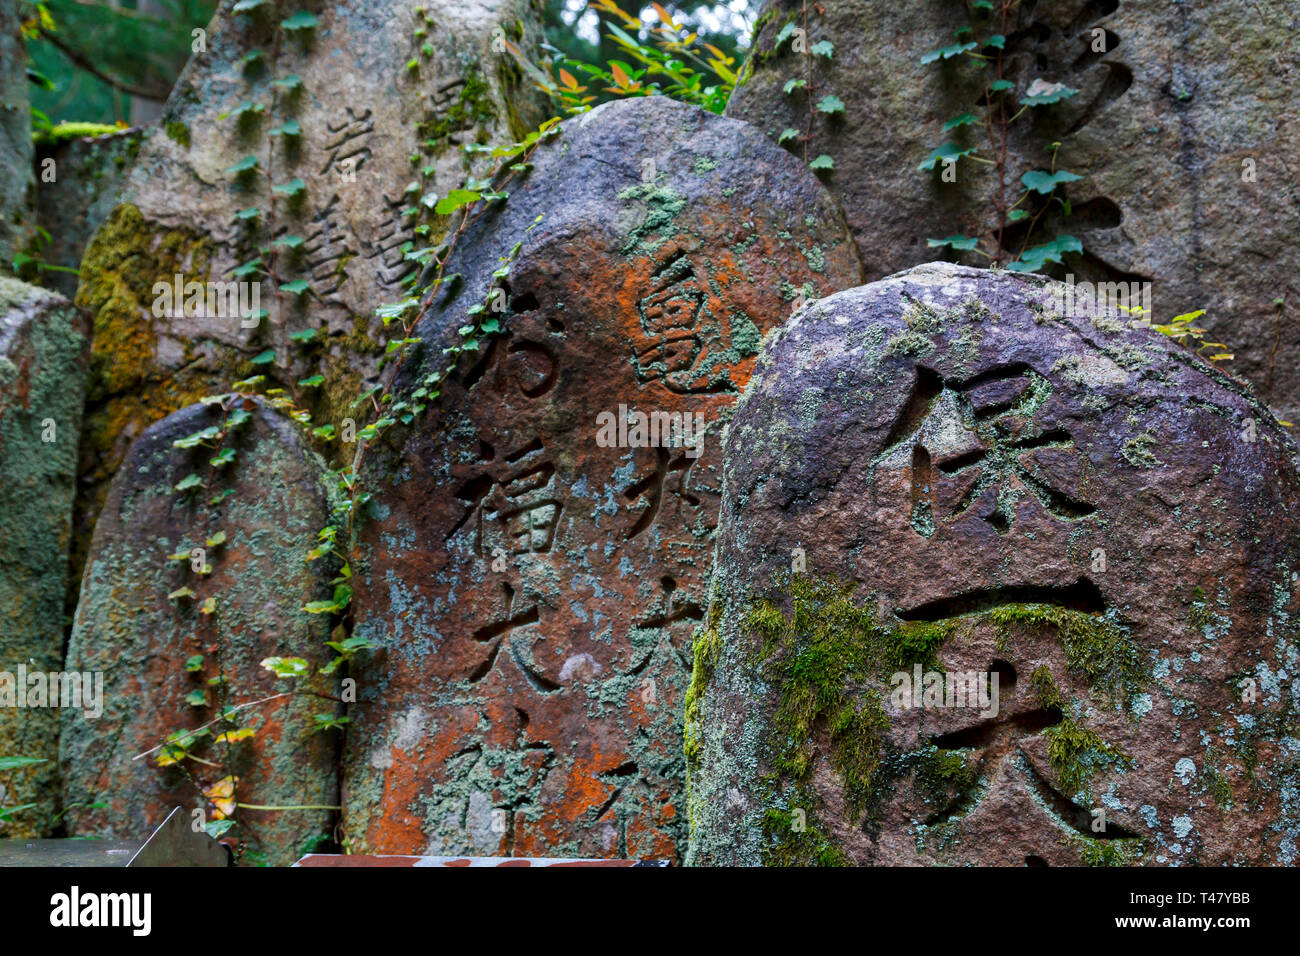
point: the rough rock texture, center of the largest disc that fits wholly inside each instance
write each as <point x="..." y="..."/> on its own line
<point x="44" y="350"/>
<point x="17" y="184"/>
<point x="532" y="593"/>
<point x="89" y="172"/>
<point x="1164" y="121"/>
<point x="979" y="484"/>
<point x="128" y="628"/>
<point x="373" y="137"/>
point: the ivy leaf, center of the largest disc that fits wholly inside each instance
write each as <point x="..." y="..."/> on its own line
<point x="792" y="85"/>
<point x="245" y="165"/>
<point x="1042" y="93"/>
<point x="961" y="120"/>
<point x="264" y="358"/>
<point x="455" y="200"/>
<point x="292" y="188"/>
<point x="285" y="666"/>
<point x="948" y="52"/>
<point x="296" y="287"/>
<point x="252" y="212"/>
<point x="247" y="6"/>
<point x="302" y="20"/>
<point x="1016" y="215"/>
<point x="303" y="335"/>
<point x="218" y="828"/>
<point x="218" y="539"/>
<point x="956" y="242"/>
<point x="822" y="162"/>
<point x="195" y="439"/>
<point x="180" y="593"/>
<point x="823" y="48"/>
<point x="325" y="432"/>
<point x="289" y="242"/>
<point x="787" y="31"/>
<point x="194" y="663"/>
<point x="319" y="607"/>
<point x="1001" y="86"/>
<point x="209" y="606"/>
<point x="998" y="41"/>
<point x="1045" y="183"/>
<point x="948" y="151"/>
<point x="290" y="82"/>
<point x="1033" y="259"/>
<point x="830" y="103"/>
<point x="188" y="482"/>
<point x="222" y="458"/>
<point x="787" y="135"/>
<point x="287" y="128"/>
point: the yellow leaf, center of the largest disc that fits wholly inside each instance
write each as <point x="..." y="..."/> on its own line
<point x="235" y="736"/>
<point x="222" y="795"/>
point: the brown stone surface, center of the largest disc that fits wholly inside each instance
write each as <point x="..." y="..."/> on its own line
<point x="531" y="593"/>
<point x="1108" y="524"/>
<point x="17" y="184"/>
<point x="128" y="628"/>
<point x="1166" y="117"/>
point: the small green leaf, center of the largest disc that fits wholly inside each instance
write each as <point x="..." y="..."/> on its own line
<point x="264" y="358"/>
<point x="218" y="539"/>
<point x="455" y="200"/>
<point x="1001" y="86"/>
<point x="247" y="6"/>
<point x="304" y="335"/>
<point x="287" y="128"/>
<point x="302" y="20"/>
<point x="292" y="188"/>
<point x="997" y="41"/>
<point x="1045" y="183"/>
<point x="823" y="48"/>
<point x="948" y="151"/>
<point x="286" y="666"/>
<point x="252" y="212"/>
<point x="948" y="52"/>
<point x="822" y="162"/>
<point x="180" y="593"/>
<point x="197" y="698"/>
<point x="956" y="242"/>
<point x="290" y="82"/>
<point x="218" y="828"/>
<point x="961" y="120"/>
<point x="313" y="382"/>
<point x="1042" y="93"/>
<point x="222" y="458"/>
<point x="194" y="663"/>
<point x="787" y="135"/>
<point x="794" y="84"/>
<point x="1016" y="215"/>
<point x="830" y="103"/>
<point x="188" y="482"/>
<point x="245" y="165"/>
<point x="296" y="287"/>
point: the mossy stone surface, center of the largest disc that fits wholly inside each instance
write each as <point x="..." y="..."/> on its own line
<point x="973" y="509"/>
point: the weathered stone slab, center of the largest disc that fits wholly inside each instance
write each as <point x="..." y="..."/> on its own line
<point x="531" y="589"/>
<point x="1184" y="129"/>
<point x="17" y="184"/>
<point x="142" y="639"/>
<point x="76" y="194"/>
<point x="44" y="351"/>
<point x="939" y="473"/>
<point x="372" y="137"/>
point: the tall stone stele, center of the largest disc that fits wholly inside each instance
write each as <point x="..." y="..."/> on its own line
<point x="17" y="179"/>
<point x="1183" y="124"/>
<point x="187" y="591"/>
<point x="941" y="483"/>
<point x="293" y="156"/>
<point x="44" y="353"/>
<point x="534" y="565"/>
